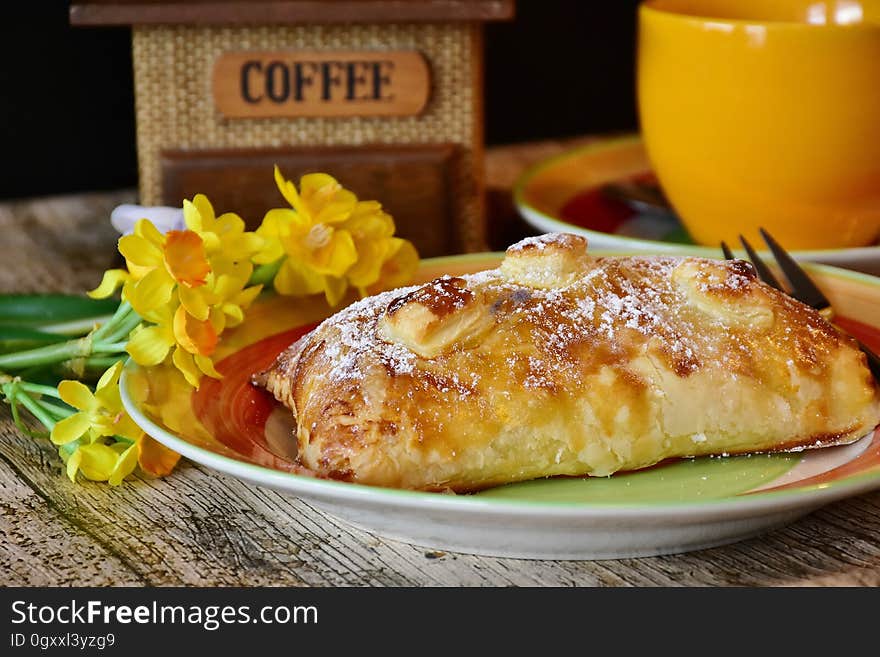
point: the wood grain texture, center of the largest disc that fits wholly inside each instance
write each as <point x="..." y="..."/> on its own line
<point x="273" y="12"/>
<point x="42" y="546"/>
<point x="412" y="181"/>
<point x="197" y="527"/>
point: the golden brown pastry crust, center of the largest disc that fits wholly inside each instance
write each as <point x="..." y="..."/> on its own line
<point x="559" y="363"/>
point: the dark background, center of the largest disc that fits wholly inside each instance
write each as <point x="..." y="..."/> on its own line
<point x="561" y="68"/>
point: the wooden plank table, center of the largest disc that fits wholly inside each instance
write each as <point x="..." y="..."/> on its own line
<point x="197" y="527"/>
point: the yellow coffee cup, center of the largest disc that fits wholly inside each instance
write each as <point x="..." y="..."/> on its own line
<point x="765" y="113"/>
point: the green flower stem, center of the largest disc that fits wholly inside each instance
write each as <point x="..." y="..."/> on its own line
<point x="56" y="411"/>
<point x="77" y="326"/>
<point x="53" y="353"/>
<point x="37" y="389"/>
<point x="102" y="362"/>
<point x="110" y="326"/>
<point x="13" y="404"/>
<point x="111" y="348"/>
<point x="36" y="410"/>
<point x="80" y="368"/>
<point x="265" y="274"/>
<point x="126" y="326"/>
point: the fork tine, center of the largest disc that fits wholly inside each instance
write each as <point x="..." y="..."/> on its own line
<point x="803" y="289"/>
<point x="763" y="272"/>
<point x="728" y="254"/>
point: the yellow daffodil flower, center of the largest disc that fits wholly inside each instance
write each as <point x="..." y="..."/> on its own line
<point x="100" y="413"/>
<point x="328" y="239"/>
<point x="187" y="285"/>
<point x="101" y="441"/>
<point x="319" y="250"/>
<point x="191" y="342"/>
<point x="190" y="262"/>
<point x="397" y="270"/>
<point x="224" y="234"/>
<point x="380" y="254"/>
<point x="102" y="462"/>
<point x="100" y="416"/>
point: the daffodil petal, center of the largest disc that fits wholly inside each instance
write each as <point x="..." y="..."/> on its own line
<point x="156" y="459"/>
<point x="191" y="216"/>
<point x="148" y="230"/>
<point x="212" y="242"/>
<point x="140" y="251"/>
<point x="206" y="211"/>
<point x="126" y="427"/>
<point x="242" y="246"/>
<point x="137" y="272"/>
<point x="288" y="191"/>
<point x="70" y="428"/>
<point x="73" y="465"/>
<point x="246" y="297"/>
<point x="112" y="279"/>
<point x="337" y="256"/>
<point x="228" y="225"/>
<point x="149" y="345"/>
<point x="161" y="315"/>
<point x="184" y="362"/>
<point x="237" y="273"/>
<point x="338" y="209"/>
<point x="108" y="398"/>
<point x="152" y="291"/>
<point x="138" y="386"/>
<point x="218" y="320"/>
<point x="111" y="376"/>
<point x="206" y="365"/>
<point x="276" y="222"/>
<point x="272" y="250"/>
<point x="371" y="256"/>
<point x="334" y="290"/>
<point x="399" y="269"/>
<point x="194" y="335"/>
<point x="97" y="461"/>
<point x="125" y="464"/>
<point x="294" y="279"/>
<point x="369" y="222"/>
<point x="234" y="314"/>
<point x="312" y="183"/>
<point x="226" y="286"/>
<point x="193" y="301"/>
<point x="77" y="395"/>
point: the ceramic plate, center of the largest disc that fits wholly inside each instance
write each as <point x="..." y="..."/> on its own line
<point x="230" y="426"/>
<point x="562" y="194"/>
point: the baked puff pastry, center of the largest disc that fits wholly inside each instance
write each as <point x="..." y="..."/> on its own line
<point x="560" y="363"/>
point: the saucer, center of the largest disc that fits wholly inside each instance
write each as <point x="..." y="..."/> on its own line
<point x="563" y="194"/>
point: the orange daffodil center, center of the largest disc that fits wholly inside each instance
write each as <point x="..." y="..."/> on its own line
<point x="185" y="259"/>
<point x="329" y="240"/>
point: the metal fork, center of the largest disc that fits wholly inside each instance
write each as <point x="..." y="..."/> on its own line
<point x="801" y="287"/>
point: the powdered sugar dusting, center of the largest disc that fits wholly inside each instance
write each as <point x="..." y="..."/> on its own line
<point x="541" y="242"/>
<point x="355" y="339"/>
<point x="614" y="310"/>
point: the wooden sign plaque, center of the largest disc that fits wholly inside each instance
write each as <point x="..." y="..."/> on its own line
<point x="276" y="84"/>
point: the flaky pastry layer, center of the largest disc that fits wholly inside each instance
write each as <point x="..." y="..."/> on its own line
<point x="560" y="363"/>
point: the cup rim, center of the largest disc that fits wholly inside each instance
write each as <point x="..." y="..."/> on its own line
<point x="650" y="7"/>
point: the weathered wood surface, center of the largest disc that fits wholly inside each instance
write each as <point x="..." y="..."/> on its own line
<point x="197" y="527"/>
